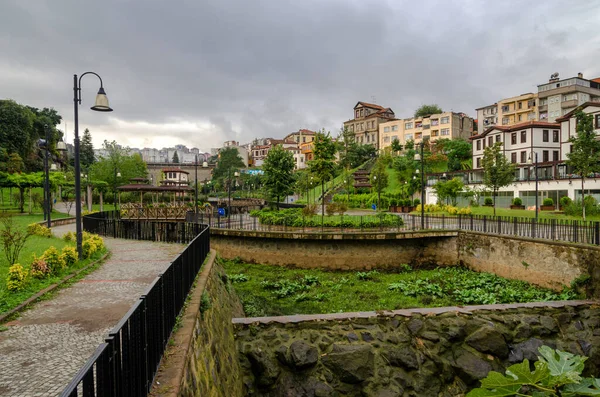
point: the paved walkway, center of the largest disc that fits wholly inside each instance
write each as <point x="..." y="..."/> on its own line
<point x="44" y="348"/>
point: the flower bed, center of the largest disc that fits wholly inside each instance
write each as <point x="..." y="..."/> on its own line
<point x="293" y="217"/>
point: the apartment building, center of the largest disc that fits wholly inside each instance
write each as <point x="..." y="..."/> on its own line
<point x="487" y="117"/>
<point x="366" y="121"/>
<point x="520" y="143"/>
<point x="301" y="136"/>
<point x="518" y="109"/>
<point x="260" y="152"/>
<point x="448" y="125"/>
<point x="569" y="123"/>
<point x="559" y="97"/>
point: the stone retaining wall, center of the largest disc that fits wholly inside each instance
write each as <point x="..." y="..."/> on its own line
<point x="420" y="352"/>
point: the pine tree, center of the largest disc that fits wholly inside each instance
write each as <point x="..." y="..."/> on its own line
<point x="86" y="150"/>
<point x="175" y="157"/>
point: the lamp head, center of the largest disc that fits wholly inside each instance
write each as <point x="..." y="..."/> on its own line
<point x="417" y="171"/>
<point x="61" y="146"/>
<point x="101" y="104"/>
<point x="118" y="174"/>
<point x="53" y="167"/>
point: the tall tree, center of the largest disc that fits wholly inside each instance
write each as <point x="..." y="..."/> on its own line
<point x="118" y="159"/>
<point x="175" y="158"/>
<point x="229" y="160"/>
<point x="449" y="189"/>
<point x="379" y="178"/>
<point x="585" y="156"/>
<point x="279" y="178"/>
<point x="497" y="170"/>
<point x="396" y="146"/>
<point x="86" y="150"/>
<point x="323" y="164"/>
<point x="17" y="134"/>
<point x="428" y="110"/>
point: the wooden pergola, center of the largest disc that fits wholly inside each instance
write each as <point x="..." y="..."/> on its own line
<point x="142" y="186"/>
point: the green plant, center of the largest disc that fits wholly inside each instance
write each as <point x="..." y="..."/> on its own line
<point x="17" y="278"/>
<point x="308" y="210"/>
<point x="557" y="373"/>
<point x="565" y="201"/>
<point x="39" y="267"/>
<point x="69" y="236"/>
<point x="204" y="303"/>
<point x="548" y="202"/>
<point x="517" y="201"/>
<point x="13" y="238"/>
<point x="488" y="201"/>
<point x="69" y="255"/>
<point x="416" y="202"/>
<point x="238" y="278"/>
<point x="363" y="276"/>
<point x="36" y="229"/>
<point x="54" y="260"/>
<point x="331" y="209"/>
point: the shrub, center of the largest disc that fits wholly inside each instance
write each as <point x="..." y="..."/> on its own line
<point x="416" y="202"/>
<point x="517" y="201"/>
<point x="17" y="278"/>
<point x="69" y="236"/>
<point x="565" y="201"/>
<point x="341" y="208"/>
<point x="238" y="278"/>
<point x="548" y="201"/>
<point x="36" y="229"/>
<point x="393" y="202"/>
<point x="54" y="260"/>
<point x="488" y="201"/>
<point x="308" y="210"/>
<point x="13" y="238"/>
<point x="39" y="267"/>
<point x="88" y="248"/>
<point x="69" y="255"/>
<point x="331" y="209"/>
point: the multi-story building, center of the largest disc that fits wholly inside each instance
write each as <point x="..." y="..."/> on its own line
<point x="306" y="149"/>
<point x="487" y="117"/>
<point x="447" y="125"/>
<point x="260" y="152"/>
<point x="559" y="97"/>
<point x="518" y="109"/>
<point x="365" y="124"/>
<point x="301" y="136"/>
<point x="569" y="122"/>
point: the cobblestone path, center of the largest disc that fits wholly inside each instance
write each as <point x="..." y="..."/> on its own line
<point x="45" y="347"/>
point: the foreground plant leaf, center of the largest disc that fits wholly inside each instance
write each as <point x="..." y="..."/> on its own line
<point x="564" y="367"/>
<point x="587" y="387"/>
<point x="518" y="375"/>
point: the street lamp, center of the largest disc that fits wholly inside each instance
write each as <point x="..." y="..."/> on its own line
<point x="45" y="143"/>
<point x="100" y="105"/>
<point x="529" y="161"/>
<point x="420" y="157"/>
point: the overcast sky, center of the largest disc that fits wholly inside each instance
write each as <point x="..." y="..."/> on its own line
<point x="200" y="72"/>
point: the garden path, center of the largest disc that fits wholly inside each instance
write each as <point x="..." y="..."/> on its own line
<point x="43" y="349"/>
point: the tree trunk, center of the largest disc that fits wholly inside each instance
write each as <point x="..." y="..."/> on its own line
<point x="101" y="201"/>
<point x="277" y="203"/>
<point x="89" y="198"/>
<point x="494" y="193"/>
<point x="583" y="197"/>
<point x="30" y="201"/>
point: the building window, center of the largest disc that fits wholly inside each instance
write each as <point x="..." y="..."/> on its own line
<point x="418" y="135"/>
<point x="368" y="137"/>
<point x="479" y="144"/>
<point x="545" y="135"/>
<point x="445" y="131"/>
<point x="362" y="126"/>
<point x="523" y="157"/>
<point x="304" y="139"/>
<point x="445" y="120"/>
<point x="505" y="108"/>
<point x="490" y="141"/>
<point x="408" y="126"/>
<point x="555" y="134"/>
<point x="555" y="155"/>
<point x="498" y="138"/>
<point x="357" y="114"/>
<point x="434" y="132"/>
<point x="513" y="157"/>
<point x="435" y="122"/>
<point x="523" y="136"/>
<point x="394" y="128"/>
<point x="513" y="138"/>
<point x="408" y="137"/>
<point x="598" y="121"/>
<point x="520" y="117"/>
<point x="386" y="129"/>
<point x="520" y="105"/>
<point x="545" y="156"/>
<point x="478" y="162"/>
<point x="505" y="120"/>
<point x="394" y="138"/>
<point x="544" y="116"/>
<point x="361" y="112"/>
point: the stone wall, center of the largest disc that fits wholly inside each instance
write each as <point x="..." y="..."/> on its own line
<point x="203" y="360"/>
<point x="546" y="263"/>
<point x="419" y="352"/>
<point x="338" y="251"/>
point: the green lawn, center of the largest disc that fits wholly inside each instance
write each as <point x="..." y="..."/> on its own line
<point x="34" y="245"/>
<point x="482" y="210"/>
<point x="393" y="182"/>
<point x="274" y="290"/>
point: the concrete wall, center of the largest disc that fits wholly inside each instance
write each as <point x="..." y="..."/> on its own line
<point x="338" y="251"/>
<point x="419" y="352"/>
<point x="545" y="263"/>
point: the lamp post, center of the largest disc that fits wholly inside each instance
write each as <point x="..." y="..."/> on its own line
<point x="117" y="175"/>
<point x="420" y="157"/>
<point x="196" y="185"/>
<point x="100" y="105"/>
<point x="45" y="143"/>
<point x="529" y="161"/>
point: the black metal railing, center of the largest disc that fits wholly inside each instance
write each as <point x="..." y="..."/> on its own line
<point x="125" y="365"/>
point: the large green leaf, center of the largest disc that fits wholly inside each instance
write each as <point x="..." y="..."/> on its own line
<point x="587" y="387"/>
<point x="496" y="384"/>
<point x="564" y="367"/>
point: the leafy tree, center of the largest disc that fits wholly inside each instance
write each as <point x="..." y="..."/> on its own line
<point x="130" y="166"/>
<point x="353" y="154"/>
<point x="323" y="164"/>
<point x="379" y="178"/>
<point x="229" y="159"/>
<point x="585" y="156"/>
<point x="497" y="170"/>
<point x="16" y="128"/>
<point x="449" y="189"/>
<point x="175" y="158"/>
<point x="458" y="152"/>
<point x="428" y="110"/>
<point x="14" y="163"/>
<point x="279" y="167"/>
<point x="396" y="146"/>
<point x="86" y="150"/>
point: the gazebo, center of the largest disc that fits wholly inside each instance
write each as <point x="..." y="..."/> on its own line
<point x="174" y="209"/>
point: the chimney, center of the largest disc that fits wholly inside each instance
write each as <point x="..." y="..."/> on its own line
<point x="580" y="75"/>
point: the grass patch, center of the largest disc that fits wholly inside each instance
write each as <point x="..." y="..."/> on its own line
<point x="274" y="291"/>
<point x="489" y="211"/>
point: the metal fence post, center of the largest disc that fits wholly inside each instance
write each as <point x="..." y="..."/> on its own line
<point x="597" y="233"/>
<point x="485" y="224"/>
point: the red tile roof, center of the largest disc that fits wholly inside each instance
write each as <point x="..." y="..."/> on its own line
<point x="572" y="112"/>
<point x="369" y="105"/>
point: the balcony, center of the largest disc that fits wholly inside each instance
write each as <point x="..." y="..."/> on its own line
<point x="543" y="108"/>
<point x="569" y="104"/>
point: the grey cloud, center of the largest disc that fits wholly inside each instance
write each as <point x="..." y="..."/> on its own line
<point x="240" y="69"/>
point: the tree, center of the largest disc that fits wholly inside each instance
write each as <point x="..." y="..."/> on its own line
<point x="175" y="158"/>
<point x="396" y="146"/>
<point x="279" y="167"/>
<point x="449" y="189"/>
<point x="497" y="170"/>
<point x="379" y="178"/>
<point x="458" y="151"/>
<point x="86" y="150"/>
<point x="16" y="128"/>
<point x="229" y="159"/>
<point x="323" y="165"/>
<point x="585" y="156"/>
<point x="428" y="110"/>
